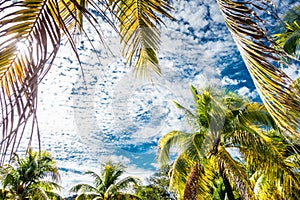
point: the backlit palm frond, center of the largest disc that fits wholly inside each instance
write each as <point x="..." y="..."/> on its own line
<point x="179" y="174"/>
<point x="83" y="188"/>
<point x="268" y="159"/>
<point x="31" y="33"/>
<point x="29" y="40"/>
<point x="123" y="184"/>
<point x="273" y="85"/>
<point x="70" y="10"/>
<point x="174" y="139"/>
<point x="198" y="184"/>
<point x="235" y="172"/>
<point x="296" y="84"/>
<point x="289" y="36"/>
<point x="139" y="31"/>
<point x="97" y="178"/>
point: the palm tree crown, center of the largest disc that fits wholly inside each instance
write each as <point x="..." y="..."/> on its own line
<point x="107" y="185"/>
<point x="28" y="178"/>
<point x="222" y="122"/>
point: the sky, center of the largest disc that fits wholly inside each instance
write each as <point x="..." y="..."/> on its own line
<point x="110" y="114"/>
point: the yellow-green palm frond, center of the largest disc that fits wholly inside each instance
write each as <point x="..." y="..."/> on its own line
<point x="174" y="139"/>
<point x="179" y="174"/>
<point x="235" y="172"/>
<point x="296" y="84"/>
<point x="198" y="184"/>
<point x="275" y="173"/>
<point x="273" y="85"/>
<point x="140" y="35"/>
<point x="288" y="37"/>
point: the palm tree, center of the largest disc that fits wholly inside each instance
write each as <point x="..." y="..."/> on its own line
<point x="220" y="123"/>
<point x="40" y="26"/>
<point x="28" y="178"/>
<point x="107" y="185"/>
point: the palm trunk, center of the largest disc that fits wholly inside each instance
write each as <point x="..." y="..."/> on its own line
<point x="226" y="182"/>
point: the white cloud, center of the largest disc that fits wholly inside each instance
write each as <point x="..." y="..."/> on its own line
<point x="244" y="91"/>
<point x="228" y="81"/>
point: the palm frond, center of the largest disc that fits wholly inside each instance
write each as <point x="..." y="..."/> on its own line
<point x="290" y="40"/>
<point x="140" y="35"/>
<point x="31" y="33"/>
<point x="126" y="196"/>
<point x="198" y="184"/>
<point x="25" y="50"/>
<point x="88" y="196"/>
<point x="54" y="195"/>
<point x="273" y="85"/>
<point x="235" y="173"/>
<point x="97" y="178"/>
<point x="126" y="182"/>
<point x="171" y="140"/>
<point x="83" y="188"/>
<point x="179" y="173"/>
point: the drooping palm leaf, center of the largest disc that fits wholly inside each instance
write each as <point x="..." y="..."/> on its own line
<point x="173" y="139"/>
<point x="198" y="184"/>
<point x="273" y="85"/>
<point x="31" y="33"/>
<point x="235" y="172"/>
<point x="140" y="35"/>
<point x="26" y="47"/>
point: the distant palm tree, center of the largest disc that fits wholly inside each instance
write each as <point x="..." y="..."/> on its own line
<point x="31" y="33"/>
<point x="28" y="178"/>
<point x="107" y="185"/>
<point x="222" y="122"/>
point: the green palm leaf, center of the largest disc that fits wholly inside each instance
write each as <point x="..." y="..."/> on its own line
<point x="235" y="172"/>
<point x="274" y="86"/>
<point x="198" y="184"/>
<point x="173" y="139"/>
<point x="140" y="35"/>
<point x="107" y="185"/>
<point x="83" y="188"/>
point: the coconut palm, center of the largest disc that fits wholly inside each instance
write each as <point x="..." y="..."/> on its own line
<point x="40" y="26"/>
<point x="220" y="123"/>
<point x="107" y="185"/>
<point x="33" y="177"/>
